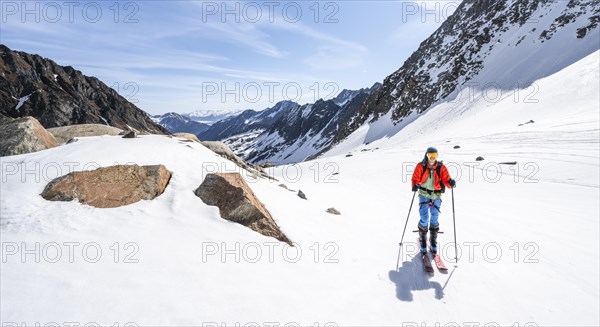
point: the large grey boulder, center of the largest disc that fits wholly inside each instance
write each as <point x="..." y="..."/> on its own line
<point x="24" y="135"/>
<point x="237" y="203"/>
<point x="110" y="187"/>
<point x="65" y="133"/>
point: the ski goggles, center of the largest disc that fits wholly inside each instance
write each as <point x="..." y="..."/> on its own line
<point x="432" y="155"/>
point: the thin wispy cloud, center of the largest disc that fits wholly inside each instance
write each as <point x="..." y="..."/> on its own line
<point x="174" y="49"/>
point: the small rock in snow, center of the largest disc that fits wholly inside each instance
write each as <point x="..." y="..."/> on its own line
<point x="302" y="195"/>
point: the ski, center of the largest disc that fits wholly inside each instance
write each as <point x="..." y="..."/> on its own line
<point x="438" y="262"/>
<point x="426" y="261"/>
<point x="427" y="264"/>
<point x="437" y="259"/>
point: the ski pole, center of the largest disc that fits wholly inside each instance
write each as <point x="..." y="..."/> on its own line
<point x="454" y="222"/>
<point x="406" y="224"/>
<point x="404" y="231"/>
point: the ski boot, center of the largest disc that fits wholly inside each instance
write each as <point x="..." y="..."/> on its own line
<point x="434" y="229"/>
<point x="423" y="239"/>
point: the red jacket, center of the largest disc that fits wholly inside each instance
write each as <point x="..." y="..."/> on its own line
<point x="419" y="177"/>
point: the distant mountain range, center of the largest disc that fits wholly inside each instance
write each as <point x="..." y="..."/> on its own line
<point x="286" y="132"/>
<point x="298" y="132"/>
<point x="210" y="117"/>
<point x="176" y="123"/>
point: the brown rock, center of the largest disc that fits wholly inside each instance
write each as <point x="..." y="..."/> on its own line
<point x="225" y="151"/>
<point x="238" y="203"/>
<point x="130" y="135"/>
<point x="187" y="136"/>
<point x="110" y="187"/>
<point x="65" y="133"/>
<point x="24" y="135"/>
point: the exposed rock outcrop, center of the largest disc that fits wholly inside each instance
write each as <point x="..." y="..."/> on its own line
<point x="110" y="187"/>
<point x="130" y="135"/>
<point x="187" y="136"/>
<point x="237" y="203"/>
<point x="24" y="135"/>
<point x="65" y="133"/>
<point x="224" y="151"/>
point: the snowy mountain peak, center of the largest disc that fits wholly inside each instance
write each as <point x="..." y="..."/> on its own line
<point x="287" y="132"/>
<point x="497" y="45"/>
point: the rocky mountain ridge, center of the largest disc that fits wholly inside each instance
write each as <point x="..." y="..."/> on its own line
<point x="457" y="52"/>
<point x="31" y="85"/>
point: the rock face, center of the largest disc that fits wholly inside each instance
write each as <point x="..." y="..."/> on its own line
<point x="65" y="133"/>
<point x="31" y="85"/>
<point x="110" y="187"/>
<point x="24" y="135"/>
<point x="237" y="203"/>
<point x="4" y="118"/>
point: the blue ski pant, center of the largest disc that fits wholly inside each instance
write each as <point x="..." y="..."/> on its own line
<point x="429" y="210"/>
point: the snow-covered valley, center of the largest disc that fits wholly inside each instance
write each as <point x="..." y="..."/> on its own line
<point x="528" y="232"/>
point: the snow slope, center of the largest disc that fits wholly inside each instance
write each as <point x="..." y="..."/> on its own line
<point x="544" y="220"/>
<point x="485" y="46"/>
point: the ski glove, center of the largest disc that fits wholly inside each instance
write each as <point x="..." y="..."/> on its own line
<point x="452" y="183"/>
<point x="415" y="188"/>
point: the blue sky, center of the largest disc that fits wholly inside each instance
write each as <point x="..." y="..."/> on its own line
<point x="211" y="55"/>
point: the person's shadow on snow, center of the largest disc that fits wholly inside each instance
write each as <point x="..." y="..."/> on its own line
<point x="411" y="277"/>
